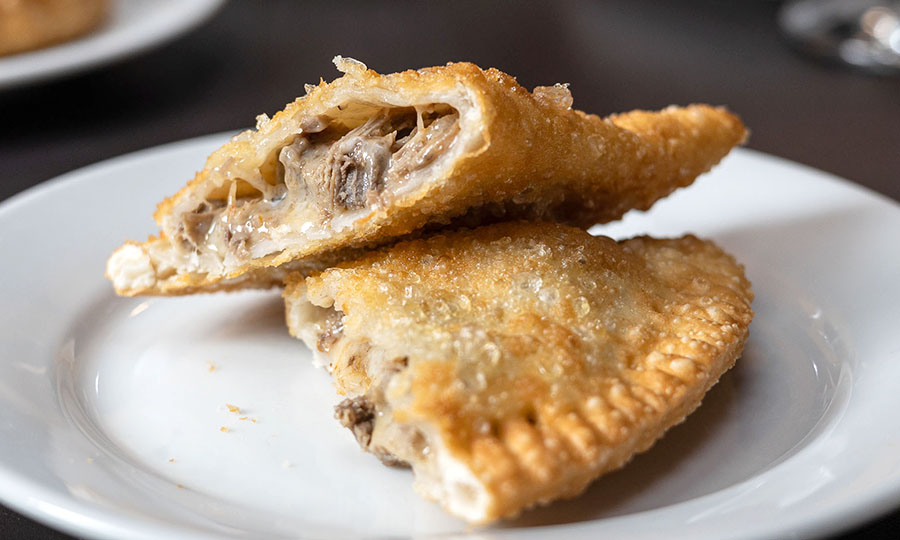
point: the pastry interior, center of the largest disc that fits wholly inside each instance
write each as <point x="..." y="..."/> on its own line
<point x="339" y="167"/>
<point x="375" y="383"/>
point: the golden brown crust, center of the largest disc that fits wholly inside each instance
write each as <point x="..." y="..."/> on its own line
<point x="31" y="24"/>
<point x="542" y="357"/>
<point x="533" y="157"/>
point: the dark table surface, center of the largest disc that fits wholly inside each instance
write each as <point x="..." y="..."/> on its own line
<point x="617" y="55"/>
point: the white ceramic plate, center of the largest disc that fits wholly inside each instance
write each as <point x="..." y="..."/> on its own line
<point x="134" y="26"/>
<point x="110" y="414"/>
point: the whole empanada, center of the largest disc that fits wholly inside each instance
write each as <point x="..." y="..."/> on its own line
<point x="369" y="158"/>
<point x="513" y="364"/>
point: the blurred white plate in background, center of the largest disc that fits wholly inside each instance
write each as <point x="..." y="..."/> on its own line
<point x="134" y="26"/>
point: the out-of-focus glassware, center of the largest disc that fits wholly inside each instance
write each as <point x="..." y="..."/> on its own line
<point x="864" y="34"/>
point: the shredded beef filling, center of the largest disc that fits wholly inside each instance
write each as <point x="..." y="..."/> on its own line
<point x="329" y="170"/>
<point x="358" y="415"/>
<point x="196" y="225"/>
<point x="358" y="163"/>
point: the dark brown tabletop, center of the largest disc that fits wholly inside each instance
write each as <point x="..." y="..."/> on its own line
<point x="254" y="57"/>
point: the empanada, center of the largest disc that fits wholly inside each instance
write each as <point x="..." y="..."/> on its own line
<point x="513" y="364"/>
<point x="369" y="158"/>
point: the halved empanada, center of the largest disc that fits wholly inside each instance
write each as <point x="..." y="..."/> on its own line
<point x="512" y="364"/>
<point x="369" y="158"/>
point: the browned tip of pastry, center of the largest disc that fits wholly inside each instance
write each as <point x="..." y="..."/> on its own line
<point x="513" y="364"/>
<point x="713" y="125"/>
<point x="693" y="139"/>
<point x="715" y="129"/>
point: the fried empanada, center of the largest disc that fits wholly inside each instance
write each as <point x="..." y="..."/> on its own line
<point x="513" y="364"/>
<point x="369" y="158"/>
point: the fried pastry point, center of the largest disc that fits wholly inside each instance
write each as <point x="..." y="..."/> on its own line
<point x="369" y="158"/>
<point x="512" y="364"/>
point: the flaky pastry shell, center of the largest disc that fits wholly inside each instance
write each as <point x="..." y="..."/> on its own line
<point x="369" y="158"/>
<point x="513" y="364"/>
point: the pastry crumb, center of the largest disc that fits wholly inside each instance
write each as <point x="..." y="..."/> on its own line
<point x="233" y="408"/>
<point x="223" y="429"/>
<point x="243" y="418"/>
<point x="171" y="460"/>
<point x="212" y="367"/>
<point x="286" y="464"/>
<point x="180" y="486"/>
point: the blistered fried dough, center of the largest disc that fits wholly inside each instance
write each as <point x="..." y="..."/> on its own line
<point x="513" y="364"/>
<point x="369" y="158"/>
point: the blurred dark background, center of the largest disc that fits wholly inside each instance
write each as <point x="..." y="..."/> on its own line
<point x="254" y="57"/>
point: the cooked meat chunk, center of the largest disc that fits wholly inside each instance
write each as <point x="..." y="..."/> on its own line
<point x="328" y="168"/>
<point x="358" y="415"/>
<point x="198" y="223"/>
<point x="356" y="166"/>
<point x="359" y="162"/>
<point x="424" y="146"/>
